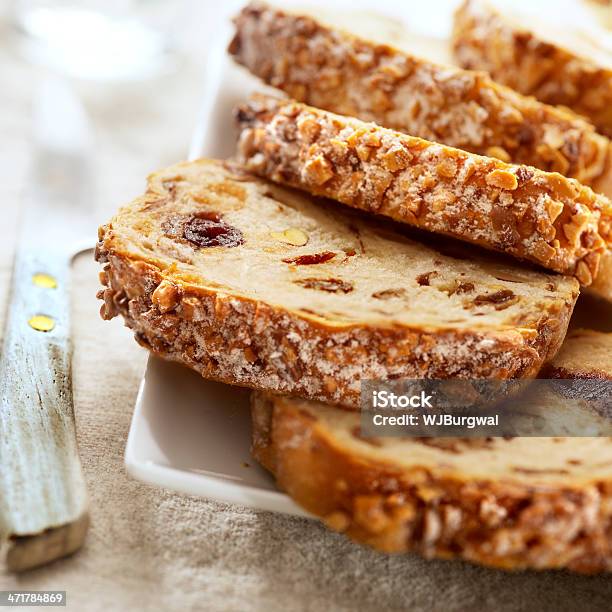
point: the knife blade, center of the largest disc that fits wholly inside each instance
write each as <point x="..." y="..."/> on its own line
<point x="43" y="498"/>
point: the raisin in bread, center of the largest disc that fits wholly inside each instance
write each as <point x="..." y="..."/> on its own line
<point x="508" y="503"/>
<point x="329" y="68"/>
<point x="535" y="215"/>
<point x="256" y="285"/>
<point x="558" y="56"/>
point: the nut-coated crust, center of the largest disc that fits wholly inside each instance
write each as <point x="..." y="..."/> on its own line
<point x="534" y="215"/>
<point x="334" y="70"/>
<point x="484" y="40"/>
<point x="239" y="341"/>
<point x="504" y="524"/>
<point x="602" y="285"/>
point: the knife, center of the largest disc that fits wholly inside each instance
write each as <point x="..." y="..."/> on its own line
<point x="43" y="498"/>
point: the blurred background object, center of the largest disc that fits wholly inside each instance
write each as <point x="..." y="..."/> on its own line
<point x="602" y="10"/>
<point x="99" y="39"/>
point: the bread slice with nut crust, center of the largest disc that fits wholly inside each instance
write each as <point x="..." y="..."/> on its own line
<point x="560" y="61"/>
<point x="510" y="503"/>
<point x="325" y="66"/>
<point x="535" y="215"/>
<point x="256" y="285"/>
<point x="540" y="503"/>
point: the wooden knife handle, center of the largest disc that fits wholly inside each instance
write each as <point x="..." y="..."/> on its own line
<point x="43" y="499"/>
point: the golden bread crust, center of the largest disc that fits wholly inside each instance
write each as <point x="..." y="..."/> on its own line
<point x="602" y="285"/>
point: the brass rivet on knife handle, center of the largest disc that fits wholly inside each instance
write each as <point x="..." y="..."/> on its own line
<point x="41" y="323"/>
<point x="46" y="281"/>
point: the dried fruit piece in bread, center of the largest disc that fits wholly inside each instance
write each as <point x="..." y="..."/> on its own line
<point x="256" y="285"/>
<point x="539" y="216"/>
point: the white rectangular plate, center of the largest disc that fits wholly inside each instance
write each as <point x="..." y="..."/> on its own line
<point x="193" y="435"/>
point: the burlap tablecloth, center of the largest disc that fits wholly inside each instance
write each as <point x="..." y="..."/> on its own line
<point x="150" y="549"/>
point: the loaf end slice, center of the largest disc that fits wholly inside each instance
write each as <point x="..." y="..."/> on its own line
<point x="520" y="503"/>
<point x="534" y="215"/>
<point x="256" y="285"/>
